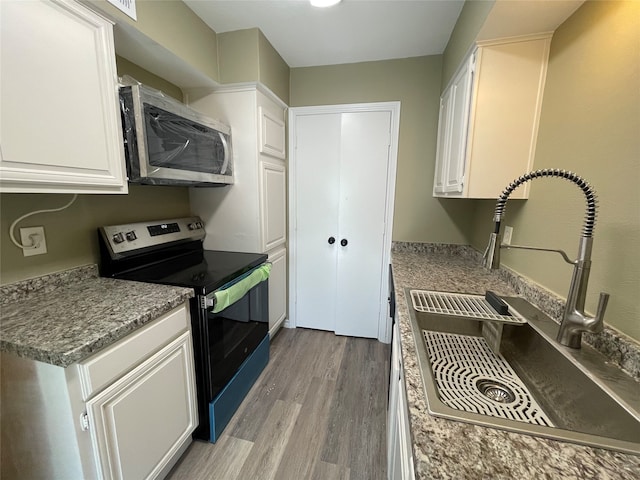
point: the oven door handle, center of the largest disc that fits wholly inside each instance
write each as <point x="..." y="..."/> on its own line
<point x="225" y="297"/>
<point x="208" y="301"/>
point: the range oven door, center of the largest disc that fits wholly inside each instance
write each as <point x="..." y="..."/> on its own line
<point x="234" y="333"/>
<point x="222" y="342"/>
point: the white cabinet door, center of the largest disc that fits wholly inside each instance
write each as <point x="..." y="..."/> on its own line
<point x="141" y="421"/>
<point x="277" y="289"/>
<point x="272" y="134"/>
<point x="444" y="142"/>
<point x="452" y="132"/>
<point x="404" y="453"/>
<point x="273" y="184"/>
<point x="342" y="170"/>
<point x="399" y="450"/>
<point x="459" y="127"/>
<point x="59" y="116"/>
<point x="393" y="444"/>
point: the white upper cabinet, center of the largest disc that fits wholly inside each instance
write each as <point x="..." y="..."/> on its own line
<point x="59" y="116"/>
<point x="489" y="116"/>
<point x="251" y="215"/>
<point x="272" y="134"/>
<point x="273" y="184"/>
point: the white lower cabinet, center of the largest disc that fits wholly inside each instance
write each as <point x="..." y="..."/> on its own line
<point x="139" y="423"/>
<point x="142" y="419"/>
<point x="277" y="289"/>
<point x="127" y="412"/>
<point x="399" y="451"/>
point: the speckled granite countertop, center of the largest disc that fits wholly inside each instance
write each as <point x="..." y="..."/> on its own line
<point x="64" y="318"/>
<point x="445" y="449"/>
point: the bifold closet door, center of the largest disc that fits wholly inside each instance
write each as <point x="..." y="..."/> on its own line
<point x="364" y="159"/>
<point x="317" y="199"/>
<point x="341" y="180"/>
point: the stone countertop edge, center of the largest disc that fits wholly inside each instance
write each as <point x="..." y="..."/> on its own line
<point x="444" y="448"/>
<point x="68" y="316"/>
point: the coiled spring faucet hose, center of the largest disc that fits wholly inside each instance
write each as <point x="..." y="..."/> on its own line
<point x="589" y="192"/>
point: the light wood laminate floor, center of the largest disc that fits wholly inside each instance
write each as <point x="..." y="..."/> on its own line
<point x="318" y="411"/>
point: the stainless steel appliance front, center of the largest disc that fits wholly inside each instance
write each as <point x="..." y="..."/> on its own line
<point x="169" y="143"/>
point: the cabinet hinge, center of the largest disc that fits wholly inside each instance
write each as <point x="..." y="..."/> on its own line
<point x="84" y="422"/>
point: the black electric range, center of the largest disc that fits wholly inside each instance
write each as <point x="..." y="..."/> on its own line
<point x="225" y="343"/>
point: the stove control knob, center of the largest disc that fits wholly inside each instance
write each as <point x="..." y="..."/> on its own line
<point x="131" y="236"/>
<point x="118" y="238"/>
<point x="195" y="226"/>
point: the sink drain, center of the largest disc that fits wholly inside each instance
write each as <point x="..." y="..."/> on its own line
<point x="496" y="391"/>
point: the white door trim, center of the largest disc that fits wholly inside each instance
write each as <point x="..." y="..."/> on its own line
<point x="384" y="322"/>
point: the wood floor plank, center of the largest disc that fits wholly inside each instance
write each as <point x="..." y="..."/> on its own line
<point x="343" y="414"/>
<point x="270" y="444"/>
<point x="358" y="413"/>
<point x="220" y="463"/>
<point x="329" y="471"/>
<point x="300" y="368"/>
<point x="329" y="355"/>
<point x="285" y="378"/>
<point x="307" y="436"/>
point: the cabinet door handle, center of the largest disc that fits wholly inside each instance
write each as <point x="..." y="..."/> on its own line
<point x="331" y="240"/>
<point x="344" y="242"/>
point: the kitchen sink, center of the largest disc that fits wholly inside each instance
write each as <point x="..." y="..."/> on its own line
<point x="533" y="385"/>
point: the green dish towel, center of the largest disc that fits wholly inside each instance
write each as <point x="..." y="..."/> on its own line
<point x="235" y="292"/>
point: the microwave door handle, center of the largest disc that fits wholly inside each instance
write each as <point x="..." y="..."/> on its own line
<point x="225" y="146"/>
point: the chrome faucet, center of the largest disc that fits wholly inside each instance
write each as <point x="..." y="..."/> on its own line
<point x="574" y="319"/>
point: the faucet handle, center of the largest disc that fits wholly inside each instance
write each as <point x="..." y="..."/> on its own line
<point x="602" y="306"/>
<point x="491" y="257"/>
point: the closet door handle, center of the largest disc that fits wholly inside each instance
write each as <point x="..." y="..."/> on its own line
<point x="344" y="242"/>
<point x="331" y="240"/>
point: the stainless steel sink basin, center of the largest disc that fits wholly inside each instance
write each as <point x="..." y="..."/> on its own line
<point x="584" y="398"/>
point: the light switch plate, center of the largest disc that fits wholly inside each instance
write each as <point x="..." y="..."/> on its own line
<point x="31" y="235"/>
<point x="506" y="236"/>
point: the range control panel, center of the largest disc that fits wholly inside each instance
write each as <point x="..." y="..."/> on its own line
<point x="135" y="236"/>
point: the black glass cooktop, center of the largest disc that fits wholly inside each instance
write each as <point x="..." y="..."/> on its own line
<point x="204" y="270"/>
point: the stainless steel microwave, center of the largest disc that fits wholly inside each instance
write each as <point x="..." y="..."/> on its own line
<point x="169" y="143"/>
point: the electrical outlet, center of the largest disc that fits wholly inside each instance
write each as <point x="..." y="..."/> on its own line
<point x="506" y="236"/>
<point x="33" y="236"/>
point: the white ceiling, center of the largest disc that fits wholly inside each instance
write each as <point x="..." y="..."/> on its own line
<point x="353" y="31"/>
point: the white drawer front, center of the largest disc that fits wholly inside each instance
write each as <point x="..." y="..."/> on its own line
<point x="108" y="365"/>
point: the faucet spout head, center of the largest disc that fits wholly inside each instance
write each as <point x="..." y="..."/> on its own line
<point x="491" y="257"/>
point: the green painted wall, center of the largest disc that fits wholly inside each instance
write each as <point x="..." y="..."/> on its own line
<point x="238" y="56"/>
<point x="590" y="124"/>
<point x="415" y="82"/>
<point x="464" y="34"/>
<point x="125" y="67"/>
<point x="174" y="26"/>
<point x="71" y="234"/>
<point x="274" y="71"/>
<point x="247" y="56"/>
